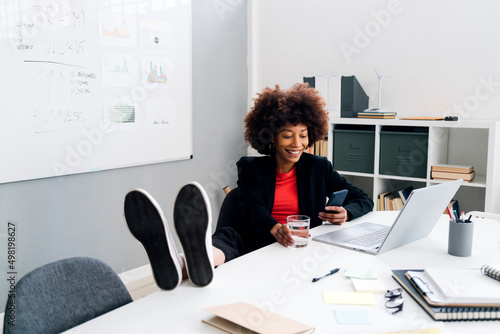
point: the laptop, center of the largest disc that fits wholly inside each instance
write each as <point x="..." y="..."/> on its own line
<point x="419" y="215"/>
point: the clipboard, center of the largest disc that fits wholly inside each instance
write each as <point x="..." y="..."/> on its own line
<point x="444" y="304"/>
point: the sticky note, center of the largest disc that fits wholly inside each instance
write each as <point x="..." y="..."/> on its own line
<point x="349" y="298"/>
<point x="352" y="317"/>
<point x="360" y="273"/>
<point x="372" y="285"/>
<point x="433" y="330"/>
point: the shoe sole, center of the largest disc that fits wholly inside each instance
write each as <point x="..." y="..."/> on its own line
<point x="193" y="221"/>
<point x="146" y="222"/>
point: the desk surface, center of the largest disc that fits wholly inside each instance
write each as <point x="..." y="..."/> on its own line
<point x="279" y="279"/>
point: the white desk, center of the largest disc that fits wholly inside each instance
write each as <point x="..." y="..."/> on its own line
<point x="279" y="279"/>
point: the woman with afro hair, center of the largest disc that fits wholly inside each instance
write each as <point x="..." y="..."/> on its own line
<point x="286" y="180"/>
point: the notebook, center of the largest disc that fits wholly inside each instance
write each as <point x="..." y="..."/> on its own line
<point x="415" y="221"/>
<point x="456" y="287"/>
<point x="448" y="313"/>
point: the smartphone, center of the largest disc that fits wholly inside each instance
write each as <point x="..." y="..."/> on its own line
<point x="337" y="198"/>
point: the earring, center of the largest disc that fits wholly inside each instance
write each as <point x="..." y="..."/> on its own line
<point x="271" y="147"/>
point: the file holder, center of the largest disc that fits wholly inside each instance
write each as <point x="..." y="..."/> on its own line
<point x="460" y="238"/>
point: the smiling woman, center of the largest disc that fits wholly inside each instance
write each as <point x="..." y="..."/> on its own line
<point x="281" y="125"/>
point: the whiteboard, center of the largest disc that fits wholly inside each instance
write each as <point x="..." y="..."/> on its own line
<point x="93" y="85"/>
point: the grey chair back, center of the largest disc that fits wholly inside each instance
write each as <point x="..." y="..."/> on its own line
<point x="63" y="294"/>
<point x="230" y="214"/>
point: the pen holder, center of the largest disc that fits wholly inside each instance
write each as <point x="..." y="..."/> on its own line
<point x="460" y="238"/>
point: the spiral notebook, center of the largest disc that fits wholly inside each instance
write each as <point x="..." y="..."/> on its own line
<point x="491" y="271"/>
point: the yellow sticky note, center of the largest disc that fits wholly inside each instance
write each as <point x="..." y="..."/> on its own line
<point x="349" y="298"/>
<point x="417" y="331"/>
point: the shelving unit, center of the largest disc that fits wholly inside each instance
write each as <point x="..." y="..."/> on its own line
<point x="465" y="142"/>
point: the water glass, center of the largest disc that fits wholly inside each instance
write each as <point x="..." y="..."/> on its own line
<point x="299" y="227"/>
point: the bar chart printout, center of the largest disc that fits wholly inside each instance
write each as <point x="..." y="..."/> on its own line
<point x="157" y="73"/>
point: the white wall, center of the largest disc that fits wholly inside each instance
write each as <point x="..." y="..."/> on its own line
<point x="443" y="57"/>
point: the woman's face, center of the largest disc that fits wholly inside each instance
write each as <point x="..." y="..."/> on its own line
<point x="290" y="142"/>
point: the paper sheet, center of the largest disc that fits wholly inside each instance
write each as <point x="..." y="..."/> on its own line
<point x="360" y="273"/>
<point x="349" y="298"/>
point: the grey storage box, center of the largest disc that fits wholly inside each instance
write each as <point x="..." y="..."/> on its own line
<point x="354" y="149"/>
<point x="403" y="152"/>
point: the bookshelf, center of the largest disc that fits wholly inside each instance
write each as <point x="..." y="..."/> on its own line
<point x="463" y="142"/>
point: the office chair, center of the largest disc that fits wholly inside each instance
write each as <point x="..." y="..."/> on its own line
<point x="63" y="294"/>
<point x="230" y="214"/>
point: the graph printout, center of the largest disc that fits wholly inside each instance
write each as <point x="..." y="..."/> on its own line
<point x="117" y="30"/>
<point x="119" y="70"/>
<point x="121" y="115"/>
<point x="160" y="114"/>
<point x="156" y="73"/>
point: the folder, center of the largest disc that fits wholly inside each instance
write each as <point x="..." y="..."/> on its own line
<point x="240" y="318"/>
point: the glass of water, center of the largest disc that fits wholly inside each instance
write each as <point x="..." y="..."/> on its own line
<point x="299" y="227"/>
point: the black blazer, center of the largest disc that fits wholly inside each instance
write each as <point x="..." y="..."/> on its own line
<point x="316" y="180"/>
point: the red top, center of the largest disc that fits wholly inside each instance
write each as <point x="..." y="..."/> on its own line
<point x="286" y="197"/>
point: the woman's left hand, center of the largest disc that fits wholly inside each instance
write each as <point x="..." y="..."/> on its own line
<point x="334" y="214"/>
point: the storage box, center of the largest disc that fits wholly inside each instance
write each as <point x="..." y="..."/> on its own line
<point x="403" y="153"/>
<point x="354" y="149"/>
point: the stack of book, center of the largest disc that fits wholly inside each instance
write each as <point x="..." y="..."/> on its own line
<point x="376" y="114"/>
<point x="452" y="172"/>
<point x="319" y="148"/>
<point x="453" y="294"/>
<point x="389" y="201"/>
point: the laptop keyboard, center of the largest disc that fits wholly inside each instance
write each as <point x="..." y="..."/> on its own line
<point x="371" y="239"/>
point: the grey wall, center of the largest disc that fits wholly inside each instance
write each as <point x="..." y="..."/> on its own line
<point x="81" y="215"/>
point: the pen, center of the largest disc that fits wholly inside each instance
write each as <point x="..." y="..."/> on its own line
<point x="450" y="214"/>
<point x="331" y="272"/>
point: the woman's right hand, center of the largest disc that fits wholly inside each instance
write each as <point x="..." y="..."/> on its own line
<point x="282" y="234"/>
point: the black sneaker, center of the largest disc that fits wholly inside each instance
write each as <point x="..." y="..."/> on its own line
<point x="147" y="224"/>
<point x="193" y="224"/>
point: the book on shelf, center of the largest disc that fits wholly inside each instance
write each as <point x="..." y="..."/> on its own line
<point x="452" y="168"/>
<point x="452" y="175"/>
<point x="376" y="114"/>
<point x="319" y="148"/>
<point x="404" y="193"/>
<point x="381" y="201"/>
<point x="445" y="313"/>
<point x="397" y="203"/>
<point x="389" y="201"/>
